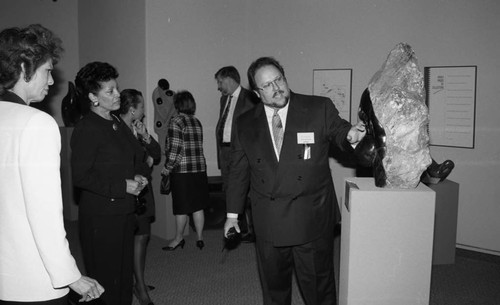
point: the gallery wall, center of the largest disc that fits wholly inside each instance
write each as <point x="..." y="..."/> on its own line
<point x="113" y="31"/>
<point x="186" y="41"/>
<point x="60" y="17"/>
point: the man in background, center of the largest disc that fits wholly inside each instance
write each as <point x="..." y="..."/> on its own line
<point x="234" y="101"/>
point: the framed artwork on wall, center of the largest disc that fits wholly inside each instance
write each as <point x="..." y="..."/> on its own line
<point x="451" y="98"/>
<point x="335" y="84"/>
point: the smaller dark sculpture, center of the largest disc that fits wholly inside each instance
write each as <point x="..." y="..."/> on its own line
<point x="372" y="148"/>
<point x="436" y="173"/>
<point x="72" y="109"/>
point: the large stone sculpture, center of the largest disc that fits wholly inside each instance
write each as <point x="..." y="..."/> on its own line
<point x="396" y="117"/>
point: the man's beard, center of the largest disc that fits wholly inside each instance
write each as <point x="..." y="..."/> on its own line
<point x="282" y="93"/>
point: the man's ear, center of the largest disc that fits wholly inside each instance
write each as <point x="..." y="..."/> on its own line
<point x="257" y="93"/>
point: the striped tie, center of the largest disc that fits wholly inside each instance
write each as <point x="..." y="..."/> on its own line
<point x="277" y="131"/>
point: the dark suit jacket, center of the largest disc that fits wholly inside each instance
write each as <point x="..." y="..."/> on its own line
<point x="293" y="200"/>
<point x="104" y="154"/>
<point x="246" y="101"/>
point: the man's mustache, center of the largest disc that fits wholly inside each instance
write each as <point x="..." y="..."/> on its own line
<point x="278" y="92"/>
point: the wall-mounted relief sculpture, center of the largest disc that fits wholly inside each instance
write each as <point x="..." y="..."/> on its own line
<point x="163" y="101"/>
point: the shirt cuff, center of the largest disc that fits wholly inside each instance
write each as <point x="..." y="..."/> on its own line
<point x="232" y="215"/>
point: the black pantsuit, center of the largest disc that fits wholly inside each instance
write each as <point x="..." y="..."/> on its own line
<point x="107" y="246"/>
<point x="104" y="155"/>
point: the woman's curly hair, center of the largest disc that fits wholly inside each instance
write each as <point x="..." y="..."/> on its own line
<point x="91" y="76"/>
<point x="28" y="47"/>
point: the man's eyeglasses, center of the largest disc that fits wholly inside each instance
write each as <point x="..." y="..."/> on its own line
<point x="278" y="82"/>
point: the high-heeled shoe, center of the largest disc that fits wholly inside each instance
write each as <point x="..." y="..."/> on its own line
<point x="180" y="244"/>
<point x="200" y="244"/>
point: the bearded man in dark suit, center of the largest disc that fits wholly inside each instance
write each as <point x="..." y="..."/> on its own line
<point x="280" y="151"/>
<point x="234" y="101"/>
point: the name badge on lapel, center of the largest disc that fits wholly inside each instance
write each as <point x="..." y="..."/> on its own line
<point x="306" y="138"/>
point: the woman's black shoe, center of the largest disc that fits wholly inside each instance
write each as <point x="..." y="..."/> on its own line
<point x="200" y="244"/>
<point x="180" y="244"/>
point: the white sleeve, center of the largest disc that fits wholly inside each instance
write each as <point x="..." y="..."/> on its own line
<point x="41" y="183"/>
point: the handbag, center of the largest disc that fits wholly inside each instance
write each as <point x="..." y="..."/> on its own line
<point x="165" y="184"/>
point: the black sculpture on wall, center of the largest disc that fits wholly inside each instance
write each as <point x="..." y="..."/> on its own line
<point x="72" y="109"/>
<point x="163" y="101"/>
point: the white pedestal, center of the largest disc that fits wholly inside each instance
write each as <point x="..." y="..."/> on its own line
<point x="386" y="244"/>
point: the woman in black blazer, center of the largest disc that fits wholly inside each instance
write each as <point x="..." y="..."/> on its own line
<point x="107" y="172"/>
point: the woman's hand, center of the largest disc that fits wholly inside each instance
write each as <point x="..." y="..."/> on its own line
<point x="140" y="127"/>
<point x="88" y="288"/>
<point x="135" y="186"/>
<point x="150" y="161"/>
<point x="164" y="171"/>
<point x="141" y="179"/>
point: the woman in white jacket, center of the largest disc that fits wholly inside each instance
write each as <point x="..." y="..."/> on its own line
<point x="36" y="264"/>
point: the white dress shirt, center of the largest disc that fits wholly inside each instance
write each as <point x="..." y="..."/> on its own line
<point x="226" y="135"/>
<point x="283" y="113"/>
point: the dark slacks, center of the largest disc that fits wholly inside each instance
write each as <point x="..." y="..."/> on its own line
<point x="224" y="162"/>
<point x="313" y="265"/>
<point x="108" y="253"/>
<point x="225" y="166"/>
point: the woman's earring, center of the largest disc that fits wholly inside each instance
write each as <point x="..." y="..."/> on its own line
<point x="95" y="104"/>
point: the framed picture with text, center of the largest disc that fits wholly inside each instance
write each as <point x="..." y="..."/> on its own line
<point x="335" y="84"/>
<point x="451" y="98"/>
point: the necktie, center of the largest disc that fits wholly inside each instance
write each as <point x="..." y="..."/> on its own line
<point x="224" y="118"/>
<point x="277" y="130"/>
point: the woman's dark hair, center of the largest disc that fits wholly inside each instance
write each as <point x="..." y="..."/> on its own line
<point x="129" y="98"/>
<point x="90" y="78"/>
<point x="230" y="72"/>
<point x="28" y="47"/>
<point x="259" y="63"/>
<point x="184" y="102"/>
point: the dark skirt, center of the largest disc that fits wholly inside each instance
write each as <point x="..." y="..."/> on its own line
<point x="189" y="192"/>
<point x="145" y="219"/>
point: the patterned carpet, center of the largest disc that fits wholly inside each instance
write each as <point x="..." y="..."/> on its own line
<point x="474" y="279"/>
<point x="190" y="276"/>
